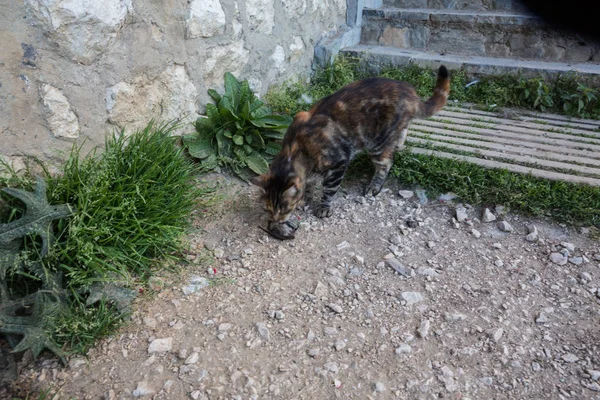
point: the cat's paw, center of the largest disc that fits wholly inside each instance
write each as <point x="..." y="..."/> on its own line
<point x="323" y="212"/>
<point x="371" y="191"/>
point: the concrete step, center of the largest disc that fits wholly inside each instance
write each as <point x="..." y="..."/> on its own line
<point x="478" y="5"/>
<point x="474" y="33"/>
<point x="545" y="146"/>
<point x="376" y="57"/>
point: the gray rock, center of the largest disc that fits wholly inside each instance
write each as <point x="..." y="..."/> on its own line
<point x="143" y="389"/>
<point x="224" y="327"/>
<point x="423" y="330"/>
<point x="404" y="348"/>
<point x="488" y="216"/>
<point x="412" y="297"/>
<point x="160" y="345"/>
<point x="594" y="374"/>
<point x="314" y="352"/>
<point x="218" y="252"/>
<point x="379" y="387"/>
<point x="497" y="334"/>
<point x="585" y="276"/>
<point x="332" y="367"/>
<point x="263" y="331"/>
<point x="487" y="380"/>
<point x="398" y="267"/>
<point x="427" y="271"/>
<point x="576" y="260"/>
<point x="335" y="308"/>
<point x="343" y="245"/>
<point x="461" y="214"/>
<point x="536" y="367"/>
<point x="340" y="345"/>
<point x="568" y="246"/>
<point x="570" y="358"/>
<point x="475" y="233"/>
<point x="330" y="331"/>
<point x="195" y="284"/>
<point x="558" y="259"/>
<point x="192" y="359"/>
<point x="533" y="233"/>
<point x="406" y="194"/>
<point x="504" y="226"/>
<point x="279" y="314"/>
<point x="542" y="318"/>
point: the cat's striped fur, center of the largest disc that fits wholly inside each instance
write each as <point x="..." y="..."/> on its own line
<point x="371" y="115"/>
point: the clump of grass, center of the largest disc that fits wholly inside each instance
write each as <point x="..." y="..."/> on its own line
<point x="562" y="201"/>
<point x="133" y="202"/>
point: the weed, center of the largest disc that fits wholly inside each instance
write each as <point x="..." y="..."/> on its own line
<point x="239" y="132"/>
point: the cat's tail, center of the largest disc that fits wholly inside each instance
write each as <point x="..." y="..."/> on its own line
<point x="440" y="95"/>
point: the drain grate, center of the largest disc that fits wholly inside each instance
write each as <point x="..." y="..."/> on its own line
<point x="543" y="145"/>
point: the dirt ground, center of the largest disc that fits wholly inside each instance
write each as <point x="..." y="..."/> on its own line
<point x="390" y="298"/>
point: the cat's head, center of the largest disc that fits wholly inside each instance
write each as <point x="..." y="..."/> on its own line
<point x="282" y="188"/>
<point x="280" y="193"/>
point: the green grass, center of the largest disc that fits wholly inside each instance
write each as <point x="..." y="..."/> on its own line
<point x="560" y="200"/>
<point x="567" y="94"/>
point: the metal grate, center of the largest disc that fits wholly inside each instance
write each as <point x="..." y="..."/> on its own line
<point x="543" y="145"/>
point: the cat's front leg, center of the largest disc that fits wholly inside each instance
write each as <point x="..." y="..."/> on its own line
<point x="331" y="184"/>
<point x="309" y="191"/>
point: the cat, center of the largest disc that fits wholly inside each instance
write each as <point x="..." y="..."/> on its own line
<point x="371" y="115"/>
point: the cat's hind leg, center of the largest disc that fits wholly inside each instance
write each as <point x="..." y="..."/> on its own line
<point x="331" y="184"/>
<point x="383" y="164"/>
<point x="403" y="134"/>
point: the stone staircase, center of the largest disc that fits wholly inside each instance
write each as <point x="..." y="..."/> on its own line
<point x="485" y="37"/>
<point x="481" y="36"/>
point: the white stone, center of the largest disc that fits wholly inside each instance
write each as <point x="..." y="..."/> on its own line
<point x="403" y="349"/>
<point x="193" y="358"/>
<point x="412" y="297"/>
<point x="169" y="96"/>
<point x="406" y="194"/>
<point x="263" y="331"/>
<point x="82" y="29"/>
<point x="206" y="18"/>
<point x="61" y="119"/>
<point x="278" y="58"/>
<point x="261" y="15"/>
<point x="558" y="259"/>
<point x="297" y="49"/>
<point x="570" y="358"/>
<point x="161" y="345"/>
<point x="488" y="216"/>
<point x="229" y="58"/>
<point x="143" y="389"/>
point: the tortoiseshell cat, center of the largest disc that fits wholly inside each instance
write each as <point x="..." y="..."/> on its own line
<point x="371" y="114"/>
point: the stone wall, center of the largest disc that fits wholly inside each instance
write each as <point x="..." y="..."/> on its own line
<point x="77" y="69"/>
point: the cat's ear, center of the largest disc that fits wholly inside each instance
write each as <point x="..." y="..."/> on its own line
<point x="302" y="116"/>
<point x="260" y="181"/>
